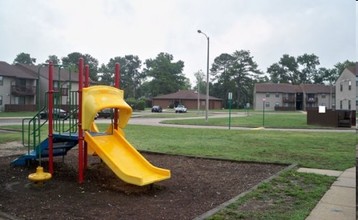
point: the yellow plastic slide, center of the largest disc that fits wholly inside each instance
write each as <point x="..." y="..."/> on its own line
<point x="96" y="98"/>
<point x="124" y="160"/>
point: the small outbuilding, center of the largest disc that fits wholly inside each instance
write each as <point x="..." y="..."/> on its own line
<point x="189" y="98"/>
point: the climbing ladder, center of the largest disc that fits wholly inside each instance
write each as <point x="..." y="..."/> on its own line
<point x="65" y="135"/>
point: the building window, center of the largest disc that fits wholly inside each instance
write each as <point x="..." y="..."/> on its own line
<point x="323" y="96"/>
<point x="277" y="95"/>
<point x="349" y="85"/>
<point x="311" y="98"/>
<point x="64" y="91"/>
<point x="267" y="104"/>
<point x="0" y="99"/>
<point x="341" y="87"/>
<point x="1" y="80"/>
<point x="267" y="94"/>
<point x="277" y="104"/>
<point x="349" y="104"/>
<point x="55" y="86"/>
<point x="340" y="104"/>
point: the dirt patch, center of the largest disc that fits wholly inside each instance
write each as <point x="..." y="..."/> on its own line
<point x="12" y="148"/>
<point x="196" y="186"/>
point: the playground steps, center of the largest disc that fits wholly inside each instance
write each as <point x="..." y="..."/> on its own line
<point x="61" y="145"/>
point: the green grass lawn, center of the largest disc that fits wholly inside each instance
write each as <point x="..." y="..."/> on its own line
<point x="328" y="150"/>
<point x="253" y="119"/>
<point x="290" y="196"/>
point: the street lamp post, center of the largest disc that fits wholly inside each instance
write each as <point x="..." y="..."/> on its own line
<point x="263" y="112"/>
<point x="207" y="79"/>
<point x="230" y="102"/>
<point x="198" y="102"/>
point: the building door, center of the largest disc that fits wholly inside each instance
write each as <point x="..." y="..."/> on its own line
<point x="176" y="103"/>
<point x="299" y="101"/>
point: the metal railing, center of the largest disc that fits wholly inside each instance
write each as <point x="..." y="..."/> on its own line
<point x="32" y="128"/>
<point x="33" y="137"/>
<point x="23" y="90"/>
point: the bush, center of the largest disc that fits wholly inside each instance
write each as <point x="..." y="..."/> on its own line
<point x="136" y="104"/>
<point x="140" y="105"/>
<point x="131" y="102"/>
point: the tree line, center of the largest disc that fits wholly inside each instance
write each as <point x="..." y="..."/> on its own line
<point x="236" y="72"/>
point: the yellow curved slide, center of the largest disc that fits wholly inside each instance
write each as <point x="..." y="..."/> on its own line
<point x="96" y="98"/>
<point x="121" y="157"/>
<point x="124" y="160"/>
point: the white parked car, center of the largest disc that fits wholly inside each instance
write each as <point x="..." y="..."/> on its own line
<point x="180" y="109"/>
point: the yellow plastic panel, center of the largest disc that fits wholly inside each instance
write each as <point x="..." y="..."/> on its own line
<point x="124" y="160"/>
<point x="96" y="98"/>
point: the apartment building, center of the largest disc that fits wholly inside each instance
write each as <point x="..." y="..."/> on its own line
<point x="17" y="88"/>
<point x="284" y="96"/>
<point x="64" y="81"/>
<point x="346" y="89"/>
<point x="24" y="87"/>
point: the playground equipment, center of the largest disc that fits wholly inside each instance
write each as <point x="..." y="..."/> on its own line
<point x="111" y="146"/>
<point x="39" y="176"/>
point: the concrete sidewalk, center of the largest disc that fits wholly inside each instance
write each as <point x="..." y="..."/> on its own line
<point x="339" y="202"/>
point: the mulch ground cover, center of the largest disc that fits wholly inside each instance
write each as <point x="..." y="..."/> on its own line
<point x="196" y="186"/>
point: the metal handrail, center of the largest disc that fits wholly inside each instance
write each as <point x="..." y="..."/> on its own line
<point x="34" y="126"/>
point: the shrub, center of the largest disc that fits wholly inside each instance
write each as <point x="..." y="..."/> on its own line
<point x="140" y="104"/>
<point x="136" y="104"/>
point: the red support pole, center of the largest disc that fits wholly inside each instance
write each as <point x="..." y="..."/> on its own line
<point x="50" y="117"/>
<point x="117" y="85"/>
<point x="117" y="76"/>
<point x="85" y="149"/>
<point x="80" y="130"/>
<point x="86" y="75"/>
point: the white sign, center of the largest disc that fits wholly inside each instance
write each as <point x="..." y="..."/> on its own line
<point x="229" y="96"/>
<point x="321" y="109"/>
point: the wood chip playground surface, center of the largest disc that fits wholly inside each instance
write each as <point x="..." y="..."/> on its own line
<point x="196" y="186"/>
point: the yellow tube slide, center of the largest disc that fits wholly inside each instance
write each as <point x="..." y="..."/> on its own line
<point x="96" y="98"/>
<point x="120" y="156"/>
<point x="124" y="160"/>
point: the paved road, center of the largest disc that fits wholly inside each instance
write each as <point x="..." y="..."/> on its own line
<point x="137" y="120"/>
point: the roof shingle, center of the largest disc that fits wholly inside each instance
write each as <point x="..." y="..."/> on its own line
<point x="14" y="71"/>
<point x="64" y="74"/>
<point x="276" y="87"/>
<point x="354" y="69"/>
<point x="289" y="88"/>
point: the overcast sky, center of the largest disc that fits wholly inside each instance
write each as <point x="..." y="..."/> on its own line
<point x="109" y="28"/>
